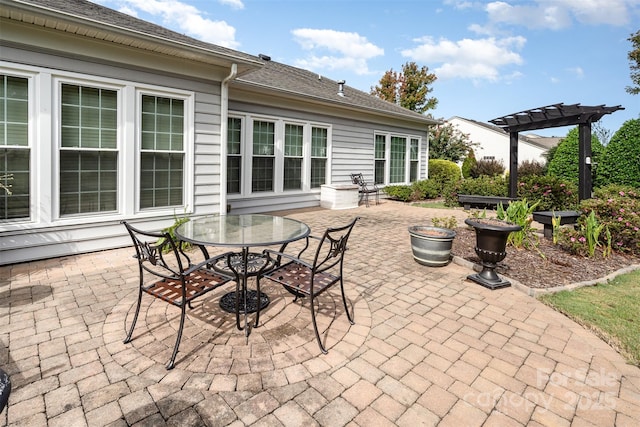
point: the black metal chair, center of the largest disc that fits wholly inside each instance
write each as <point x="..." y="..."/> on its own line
<point x="5" y="389"/>
<point x="167" y="273"/>
<point x="364" y="189"/>
<point x="303" y="278"/>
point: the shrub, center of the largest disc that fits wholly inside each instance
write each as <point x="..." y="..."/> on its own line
<point x="443" y="172"/>
<point x="531" y="168"/>
<point x="551" y="193"/>
<point x="565" y="159"/>
<point x="618" y="208"/>
<point x="445" y="222"/>
<point x="621" y="161"/>
<point x="427" y="188"/>
<point x="482" y="186"/>
<point x="468" y="164"/>
<point x="398" y="192"/>
<point x="488" y="167"/>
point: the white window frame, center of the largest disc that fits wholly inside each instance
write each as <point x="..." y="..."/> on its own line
<point x="32" y="126"/>
<point x="246" y="151"/>
<point x="407" y="160"/>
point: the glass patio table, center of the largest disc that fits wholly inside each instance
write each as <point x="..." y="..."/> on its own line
<point x="244" y="232"/>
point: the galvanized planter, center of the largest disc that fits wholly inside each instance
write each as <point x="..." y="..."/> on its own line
<point x="431" y="246"/>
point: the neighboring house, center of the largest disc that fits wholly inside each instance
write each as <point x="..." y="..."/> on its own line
<point x="494" y="142"/>
<point x="107" y="118"/>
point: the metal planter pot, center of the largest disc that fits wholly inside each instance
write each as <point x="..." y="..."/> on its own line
<point x="431" y="246"/>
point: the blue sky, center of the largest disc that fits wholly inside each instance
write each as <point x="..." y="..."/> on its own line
<point x="491" y="58"/>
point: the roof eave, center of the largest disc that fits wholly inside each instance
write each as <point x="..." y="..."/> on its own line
<point x="51" y="18"/>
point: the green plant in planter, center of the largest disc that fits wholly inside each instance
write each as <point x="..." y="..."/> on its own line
<point x="172" y="232"/>
<point x="445" y="222"/>
<point x="520" y="213"/>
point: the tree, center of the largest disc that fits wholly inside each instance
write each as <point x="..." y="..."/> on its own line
<point x="409" y="88"/>
<point x="564" y="163"/>
<point x="634" y="59"/>
<point x="448" y="143"/>
<point x="621" y="162"/>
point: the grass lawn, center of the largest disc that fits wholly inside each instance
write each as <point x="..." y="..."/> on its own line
<point x="437" y="204"/>
<point x="610" y="310"/>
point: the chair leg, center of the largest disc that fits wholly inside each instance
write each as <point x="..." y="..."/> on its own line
<point x="172" y="363"/>
<point x="344" y="301"/>
<point x="135" y="318"/>
<point x="315" y="327"/>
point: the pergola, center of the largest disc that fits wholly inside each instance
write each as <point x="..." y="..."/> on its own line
<point x="555" y="115"/>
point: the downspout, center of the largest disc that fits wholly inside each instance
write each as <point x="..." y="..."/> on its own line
<point x="224" y="116"/>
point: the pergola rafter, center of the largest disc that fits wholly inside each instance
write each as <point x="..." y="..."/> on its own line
<point x="555" y="115"/>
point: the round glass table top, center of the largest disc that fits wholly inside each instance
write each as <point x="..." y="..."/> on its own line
<point x="242" y="230"/>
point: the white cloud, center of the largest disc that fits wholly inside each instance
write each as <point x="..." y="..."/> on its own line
<point x="344" y="50"/>
<point x="578" y="72"/>
<point x="555" y="15"/>
<point x="480" y="59"/>
<point x="235" y="4"/>
<point x="184" y="18"/>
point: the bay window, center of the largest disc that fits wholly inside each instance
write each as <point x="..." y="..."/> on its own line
<point x="293" y="139"/>
<point x="396" y="158"/>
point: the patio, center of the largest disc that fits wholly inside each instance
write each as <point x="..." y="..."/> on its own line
<point x="428" y="348"/>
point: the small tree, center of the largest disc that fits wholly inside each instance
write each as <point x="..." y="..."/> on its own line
<point x="468" y="163"/>
<point x="448" y="143"/>
<point x="634" y="59"/>
<point x="409" y="89"/>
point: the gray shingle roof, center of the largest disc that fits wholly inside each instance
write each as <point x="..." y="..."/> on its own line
<point x="78" y="15"/>
<point x="292" y="80"/>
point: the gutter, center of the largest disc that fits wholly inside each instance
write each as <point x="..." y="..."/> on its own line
<point x="224" y="116"/>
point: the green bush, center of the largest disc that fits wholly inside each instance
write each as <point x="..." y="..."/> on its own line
<point x="468" y="163"/>
<point x="488" y="167"/>
<point x="444" y="173"/>
<point x="426" y="189"/>
<point x="398" y="192"/>
<point x="621" y="161"/>
<point x="531" y="167"/>
<point x="482" y="186"/>
<point x="565" y="160"/>
<point x="552" y="193"/>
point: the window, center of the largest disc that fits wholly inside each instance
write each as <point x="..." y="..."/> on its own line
<point x="413" y="159"/>
<point x="262" y="168"/>
<point x="162" y="152"/>
<point x="88" y="150"/>
<point x="234" y="155"/>
<point x="397" y="159"/>
<point x="14" y="148"/>
<point x="293" y="141"/>
<point x="380" y="155"/>
<point x="318" y="156"/>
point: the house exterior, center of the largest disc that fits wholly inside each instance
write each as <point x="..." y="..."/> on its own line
<point x="494" y="142"/>
<point x="107" y="118"/>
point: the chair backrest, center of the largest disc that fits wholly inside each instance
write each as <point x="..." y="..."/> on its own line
<point x="332" y="246"/>
<point x="357" y="178"/>
<point x="157" y="252"/>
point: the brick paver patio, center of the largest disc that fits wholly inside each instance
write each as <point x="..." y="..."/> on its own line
<point x="428" y="348"/>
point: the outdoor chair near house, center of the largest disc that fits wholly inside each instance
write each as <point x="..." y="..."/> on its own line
<point x="365" y="189"/>
<point x="168" y="274"/>
<point x="311" y="278"/>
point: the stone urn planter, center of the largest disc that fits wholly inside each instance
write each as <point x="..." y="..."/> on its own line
<point x="491" y="243"/>
<point x="431" y="246"/>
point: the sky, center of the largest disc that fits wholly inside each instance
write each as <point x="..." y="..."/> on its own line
<point x="491" y="58"/>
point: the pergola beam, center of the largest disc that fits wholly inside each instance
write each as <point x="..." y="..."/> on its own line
<point x="555" y="115"/>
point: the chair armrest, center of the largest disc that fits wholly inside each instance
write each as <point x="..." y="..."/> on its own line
<point x="280" y="255"/>
<point x="206" y="263"/>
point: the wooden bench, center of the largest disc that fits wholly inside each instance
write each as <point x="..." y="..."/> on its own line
<point x="545" y="218"/>
<point x="470" y="200"/>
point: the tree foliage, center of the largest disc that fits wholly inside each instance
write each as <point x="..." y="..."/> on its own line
<point x="409" y="88"/>
<point x="634" y="59"/>
<point x="447" y="142"/>
<point x="621" y="162"/>
<point x="564" y="163"/>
